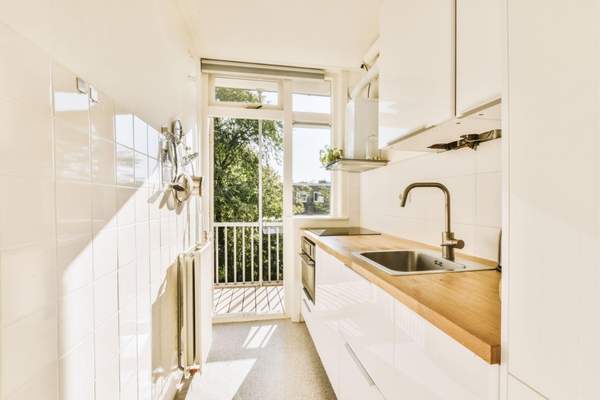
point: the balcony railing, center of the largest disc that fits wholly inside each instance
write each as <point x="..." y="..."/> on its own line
<point x="246" y="255"/>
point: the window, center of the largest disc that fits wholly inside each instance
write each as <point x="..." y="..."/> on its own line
<point x="311" y="117"/>
<point x="232" y="90"/>
<point x="312" y="182"/>
<point x="311" y="97"/>
<point x="311" y="103"/>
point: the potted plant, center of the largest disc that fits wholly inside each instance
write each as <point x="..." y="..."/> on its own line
<point x="330" y="155"/>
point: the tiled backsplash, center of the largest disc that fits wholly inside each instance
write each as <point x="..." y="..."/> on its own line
<point x="474" y="181"/>
<point x="85" y="250"/>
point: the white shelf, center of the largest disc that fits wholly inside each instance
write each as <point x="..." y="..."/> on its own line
<point x="355" y="165"/>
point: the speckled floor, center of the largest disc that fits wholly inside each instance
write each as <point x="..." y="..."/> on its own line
<point x="267" y="360"/>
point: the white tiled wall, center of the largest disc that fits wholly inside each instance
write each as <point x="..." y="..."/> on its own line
<point x="474" y="181"/>
<point x="85" y="252"/>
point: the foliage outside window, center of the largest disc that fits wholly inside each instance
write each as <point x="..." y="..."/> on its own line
<point x="231" y="90"/>
<point x="236" y="176"/>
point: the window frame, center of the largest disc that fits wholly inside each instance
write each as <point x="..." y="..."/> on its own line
<point x="212" y="101"/>
<point x="283" y="111"/>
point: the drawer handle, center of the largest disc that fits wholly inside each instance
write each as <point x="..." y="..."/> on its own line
<point x="306" y="304"/>
<point x="359" y="364"/>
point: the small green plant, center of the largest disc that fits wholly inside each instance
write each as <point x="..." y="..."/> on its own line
<point x="330" y="154"/>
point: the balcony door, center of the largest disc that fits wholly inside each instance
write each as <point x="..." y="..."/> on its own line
<point x="248" y="203"/>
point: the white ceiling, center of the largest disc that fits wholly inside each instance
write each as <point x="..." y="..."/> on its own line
<point x="320" y="33"/>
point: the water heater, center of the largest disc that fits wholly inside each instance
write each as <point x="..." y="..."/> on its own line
<point x="362" y="125"/>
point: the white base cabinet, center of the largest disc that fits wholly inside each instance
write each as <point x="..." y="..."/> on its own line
<point x="374" y="347"/>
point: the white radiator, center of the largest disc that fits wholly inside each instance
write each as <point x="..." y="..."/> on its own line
<point x="194" y="306"/>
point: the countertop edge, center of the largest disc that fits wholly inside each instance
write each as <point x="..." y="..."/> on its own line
<point x="490" y="353"/>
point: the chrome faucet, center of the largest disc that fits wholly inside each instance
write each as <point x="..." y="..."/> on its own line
<point x="449" y="243"/>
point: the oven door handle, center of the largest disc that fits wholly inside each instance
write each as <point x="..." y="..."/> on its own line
<point x="306" y="259"/>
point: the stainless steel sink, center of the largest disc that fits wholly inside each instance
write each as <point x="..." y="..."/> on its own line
<point x="412" y="262"/>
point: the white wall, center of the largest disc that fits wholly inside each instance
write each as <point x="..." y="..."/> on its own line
<point x="87" y="293"/>
<point x="474" y="181"/>
<point x="137" y="50"/>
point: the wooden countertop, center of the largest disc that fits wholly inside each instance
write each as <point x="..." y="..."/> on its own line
<point x="465" y="305"/>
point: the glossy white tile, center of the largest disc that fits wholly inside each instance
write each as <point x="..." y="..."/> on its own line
<point x="72" y="152"/>
<point x="489" y="156"/>
<point x="153" y="172"/>
<point x="74" y="263"/>
<point x="73" y="209"/>
<point x="103" y="161"/>
<point x="104" y="207"/>
<point x="126" y="206"/>
<point x="106" y="338"/>
<point x="106" y="298"/>
<point x="28" y="217"/>
<point x="124" y="128"/>
<point x="125" y="166"/>
<point x="126" y="249"/>
<point x="141" y="169"/>
<point x="486" y="242"/>
<point x="153" y="142"/>
<point x="43" y="384"/>
<point x="129" y="388"/>
<point x="27" y="281"/>
<point x="489" y="199"/>
<point x="71" y="107"/>
<point x="76" y="318"/>
<point x="102" y="117"/>
<point x="27" y="154"/>
<point x="140" y="135"/>
<point x="104" y="247"/>
<point x="142" y="209"/>
<point x="26" y="344"/>
<point x="107" y="376"/>
<point x="76" y="380"/>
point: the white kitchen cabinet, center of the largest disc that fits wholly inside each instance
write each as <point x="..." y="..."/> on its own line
<point x="416" y="66"/>
<point x="325" y="315"/>
<point x="355" y="381"/>
<point x="374" y="347"/>
<point x="553" y="279"/>
<point x="518" y="391"/>
<point x="432" y="365"/>
<point x="367" y="326"/>
<point x="479" y="55"/>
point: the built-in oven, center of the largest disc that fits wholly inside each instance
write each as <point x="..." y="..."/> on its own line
<point x="307" y="258"/>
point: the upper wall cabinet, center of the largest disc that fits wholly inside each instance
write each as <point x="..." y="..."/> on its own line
<point x="423" y="44"/>
<point x="478" y="53"/>
<point x="417" y="66"/>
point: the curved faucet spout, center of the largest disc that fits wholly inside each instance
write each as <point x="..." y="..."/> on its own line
<point x="448" y="240"/>
<point x="443" y="188"/>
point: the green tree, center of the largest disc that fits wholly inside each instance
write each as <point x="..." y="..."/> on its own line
<point x="237" y="159"/>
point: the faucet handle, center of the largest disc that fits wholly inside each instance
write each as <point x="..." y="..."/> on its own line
<point x="448" y="240"/>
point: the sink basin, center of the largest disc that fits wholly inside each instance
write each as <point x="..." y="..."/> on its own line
<point x="412" y="262"/>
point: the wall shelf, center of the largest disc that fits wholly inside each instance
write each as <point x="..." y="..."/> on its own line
<point x="355" y="165"/>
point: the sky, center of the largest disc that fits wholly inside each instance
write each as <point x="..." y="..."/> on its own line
<point x="307" y="143"/>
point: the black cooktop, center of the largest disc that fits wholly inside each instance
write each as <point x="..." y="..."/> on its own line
<point x="349" y="231"/>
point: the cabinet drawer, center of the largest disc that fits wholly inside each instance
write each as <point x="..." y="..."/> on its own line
<point x="432" y="365"/>
<point x="355" y="381"/>
<point x="368" y="326"/>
